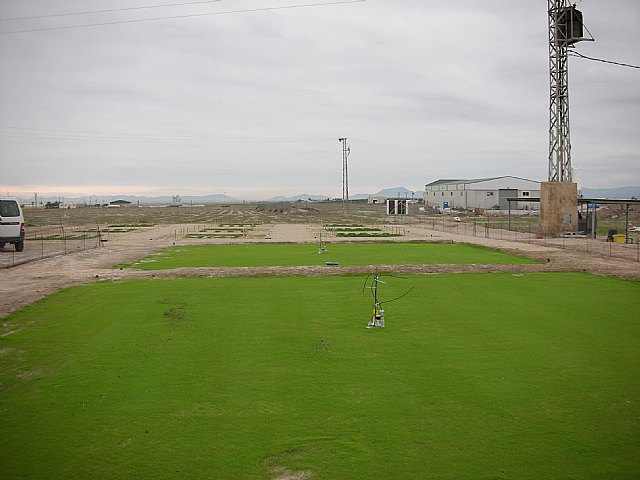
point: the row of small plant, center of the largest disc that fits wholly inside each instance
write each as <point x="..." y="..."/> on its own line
<point x="368" y="234"/>
<point x="357" y="230"/>
<point x="225" y="230"/>
<point x="342" y="225"/>
<point x="214" y="235"/>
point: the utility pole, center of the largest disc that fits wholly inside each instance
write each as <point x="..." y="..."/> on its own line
<point x="565" y="29"/>
<point x="346" y="150"/>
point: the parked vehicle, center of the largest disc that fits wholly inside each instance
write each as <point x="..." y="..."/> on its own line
<point x="11" y="223"/>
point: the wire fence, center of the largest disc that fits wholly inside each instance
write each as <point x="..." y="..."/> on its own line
<point x="58" y="239"/>
<point x="44" y="241"/>
<point x="526" y="233"/>
<point x="51" y="240"/>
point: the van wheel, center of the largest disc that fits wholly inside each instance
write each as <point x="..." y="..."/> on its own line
<point x="20" y="246"/>
<point x="2" y="244"/>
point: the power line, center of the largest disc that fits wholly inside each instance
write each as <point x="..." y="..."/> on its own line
<point x="54" y="15"/>
<point x="249" y="10"/>
<point x="96" y="136"/>
<point x="169" y="140"/>
<point x="94" y="132"/>
<point x="576" y="54"/>
<point x="33" y="136"/>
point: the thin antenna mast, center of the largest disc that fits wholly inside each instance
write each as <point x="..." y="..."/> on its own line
<point x="346" y="150"/>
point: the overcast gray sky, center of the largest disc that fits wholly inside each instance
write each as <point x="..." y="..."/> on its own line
<point x="252" y="103"/>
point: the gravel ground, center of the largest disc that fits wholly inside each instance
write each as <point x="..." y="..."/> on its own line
<point x="27" y="282"/>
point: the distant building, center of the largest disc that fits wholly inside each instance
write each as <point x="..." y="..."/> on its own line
<point x="486" y="193"/>
<point x="50" y="205"/>
<point x="119" y="203"/>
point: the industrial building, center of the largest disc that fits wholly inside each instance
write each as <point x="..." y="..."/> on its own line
<point x="486" y="193"/>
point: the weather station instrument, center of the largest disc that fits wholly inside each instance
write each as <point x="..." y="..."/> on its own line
<point x="372" y="282"/>
<point x="322" y="245"/>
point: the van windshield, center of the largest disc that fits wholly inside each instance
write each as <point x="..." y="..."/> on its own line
<point x="9" y="208"/>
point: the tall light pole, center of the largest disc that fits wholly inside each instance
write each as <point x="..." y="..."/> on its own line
<point x="558" y="196"/>
<point x="346" y="150"/>
<point x="565" y="29"/>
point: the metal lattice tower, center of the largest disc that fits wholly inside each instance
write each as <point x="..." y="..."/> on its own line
<point x="565" y="29"/>
<point x="346" y="150"/>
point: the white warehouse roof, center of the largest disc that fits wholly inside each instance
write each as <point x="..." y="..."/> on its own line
<point x="480" y="183"/>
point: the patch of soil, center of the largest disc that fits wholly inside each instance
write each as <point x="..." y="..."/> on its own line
<point x="282" y="473"/>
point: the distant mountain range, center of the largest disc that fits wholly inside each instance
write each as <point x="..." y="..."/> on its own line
<point x="387" y="192"/>
<point x="617" y="193"/>
<point x="142" y="200"/>
<point x="394" y="192"/>
<point x="216" y="198"/>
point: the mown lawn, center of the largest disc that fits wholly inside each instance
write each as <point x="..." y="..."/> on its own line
<point x="261" y="255"/>
<point x="475" y="376"/>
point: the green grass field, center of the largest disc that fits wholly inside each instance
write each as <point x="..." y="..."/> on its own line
<point x="477" y="376"/>
<point x="281" y="254"/>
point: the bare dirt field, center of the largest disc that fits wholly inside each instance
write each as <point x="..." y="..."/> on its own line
<point x="27" y="282"/>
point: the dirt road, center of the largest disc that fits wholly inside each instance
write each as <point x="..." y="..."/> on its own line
<point x="25" y="283"/>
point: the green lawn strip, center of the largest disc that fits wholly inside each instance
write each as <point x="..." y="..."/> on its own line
<point x="343" y="225"/>
<point x="307" y="254"/>
<point x="118" y="230"/>
<point x="356" y="229"/>
<point x="476" y="376"/>
<point x="367" y="234"/>
<point x="214" y="235"/>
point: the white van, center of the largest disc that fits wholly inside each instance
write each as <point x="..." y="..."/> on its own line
<point x="11" y="223"/>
